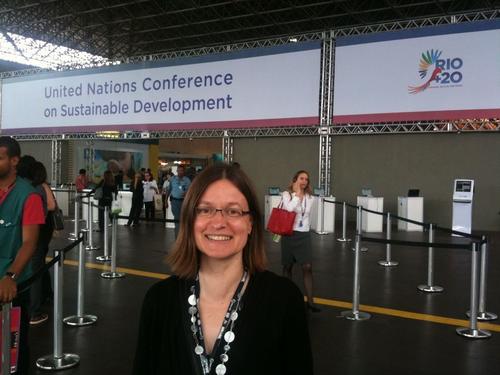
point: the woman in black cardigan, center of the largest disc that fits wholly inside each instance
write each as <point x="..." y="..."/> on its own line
<point x="222" y="313"/>
<point x="137" y="200"/>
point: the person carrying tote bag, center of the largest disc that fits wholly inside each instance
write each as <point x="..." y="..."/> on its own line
<point x="281" y="222"/>
<point x="297" y="248"/>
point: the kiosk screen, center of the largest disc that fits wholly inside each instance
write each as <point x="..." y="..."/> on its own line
<point x="463" y="186"/>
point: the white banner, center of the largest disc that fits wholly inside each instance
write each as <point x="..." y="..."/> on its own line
<point x="262" y="87"/>
<point x="437" y="73"/>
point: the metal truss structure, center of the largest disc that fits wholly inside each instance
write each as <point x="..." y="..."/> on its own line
<point x="117" y="29"/>
<point x="56" y="160"/>
<point x="407" y="16"/>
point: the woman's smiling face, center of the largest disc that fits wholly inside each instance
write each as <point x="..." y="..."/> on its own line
<point x="219" y="236"/>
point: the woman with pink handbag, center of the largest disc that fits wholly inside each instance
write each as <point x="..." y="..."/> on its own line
<point x="297" y="247"/>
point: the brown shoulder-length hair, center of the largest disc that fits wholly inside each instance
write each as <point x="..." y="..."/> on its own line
<point x="185" y="256"/>
<point x="308" y="189"/>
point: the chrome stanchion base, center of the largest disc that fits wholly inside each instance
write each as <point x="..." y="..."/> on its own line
<point x="388" y="263"/>
<point x="430" y="288"/>
<point x="355" y="315"/>
<point x="50" y="362"/>
<point x="72" y="237"/>
<point x="84" y="320"/>
<point x="343" y="239"/>
<point x="91" y="248"/>
<point x="112" y="275"/>
<point x="321" y="232"/>
<point x="473" y="333"/>
<point x="485" y="316"/>
<point x="103" y="258"/>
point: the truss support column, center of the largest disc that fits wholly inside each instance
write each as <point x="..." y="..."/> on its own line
<point x="89" y="156"/>
<point x="325" y="112"/>
<point x="227" y="147"/>
<point x="56" y="177"/>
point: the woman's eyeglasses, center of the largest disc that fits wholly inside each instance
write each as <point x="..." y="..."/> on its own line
<point x="230" y="212"/>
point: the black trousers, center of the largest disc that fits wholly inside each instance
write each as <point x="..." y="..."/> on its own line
<point x="23" y="364"/>
<point x="135" y="212"/>
<point x="150" y="210"/>
<point x="41" y="289"/>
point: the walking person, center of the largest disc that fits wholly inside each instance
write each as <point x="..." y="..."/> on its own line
<point x="21" y="214"/>
<point x="150" y="188"/>
<point x="164" y="192"/>
<point x="179" y="185"/>
<point x="82" y="181"/>
<point x="41" y="289"/>
<point x="108" y="186"/>
<point x="137" y="200"/>
<point x="297" y="247"/>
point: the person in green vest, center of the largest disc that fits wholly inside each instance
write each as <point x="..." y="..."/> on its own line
<point x="21" y="214"/>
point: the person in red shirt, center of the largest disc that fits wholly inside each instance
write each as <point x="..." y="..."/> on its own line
<point x="82" y="181"/>
<point x="19" y="237"/>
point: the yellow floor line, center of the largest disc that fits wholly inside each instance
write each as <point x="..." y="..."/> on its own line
<point x="408" y="314"/>
<point x="323" y="301"/>
<point x="106" y="267"/>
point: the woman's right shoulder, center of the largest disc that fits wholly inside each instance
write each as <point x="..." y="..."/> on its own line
<point x="168" y="285"/>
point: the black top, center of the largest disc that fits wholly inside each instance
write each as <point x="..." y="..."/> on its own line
<point x="137" y="194"/>
<point x="107" y="193"/>
<point x="271" y="331"/>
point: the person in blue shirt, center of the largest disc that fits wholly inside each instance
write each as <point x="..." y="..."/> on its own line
<point x="179" y="185"/>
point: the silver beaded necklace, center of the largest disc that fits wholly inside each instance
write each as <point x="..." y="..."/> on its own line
<point x="226" y="331"/>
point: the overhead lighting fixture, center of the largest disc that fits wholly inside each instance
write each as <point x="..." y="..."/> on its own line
<point x="293" y="40"/>
<point x="108" y="134"/>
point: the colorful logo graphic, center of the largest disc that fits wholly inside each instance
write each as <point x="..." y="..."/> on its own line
<point x="445" y="72"/>
<point x="427" y="60"/>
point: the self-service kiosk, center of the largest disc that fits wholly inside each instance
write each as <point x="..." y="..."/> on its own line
<point x="463" y="191"/>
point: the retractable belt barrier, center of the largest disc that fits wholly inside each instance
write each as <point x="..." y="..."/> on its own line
<point x="58" y="360"/>
<point x="478" y="246"/>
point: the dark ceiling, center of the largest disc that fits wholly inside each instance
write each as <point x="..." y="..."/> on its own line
<point x="120" y="28"/>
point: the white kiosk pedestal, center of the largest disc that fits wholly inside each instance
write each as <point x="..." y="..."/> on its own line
<point x="95" y="210"/>
<point x="371" y="222"/>
<point x="463" y="192"/>
<point x="323" y="215"/>
<point x="124" y="198"/>
<point x="270" y="201"/>
<point x="65" y="199"/>
<point x="411" y="208"/>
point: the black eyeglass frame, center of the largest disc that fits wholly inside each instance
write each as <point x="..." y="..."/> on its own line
<point x="222" y="212"/>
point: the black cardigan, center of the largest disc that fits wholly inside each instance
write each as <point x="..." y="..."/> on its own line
<point x="271" y="331"/>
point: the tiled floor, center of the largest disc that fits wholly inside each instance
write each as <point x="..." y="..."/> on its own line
<point x="393" y="341"/>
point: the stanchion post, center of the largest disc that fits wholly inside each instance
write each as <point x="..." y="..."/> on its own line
<point x="355" y="314"/>
<point x="90" y="228"/>
<point x="80" y="319"/>
<point x="105" y="257"/>
<point x="87" y="221"/>
<point x="388" y="262"/>
<point x="344" y="224"/>
<point x="359" y="226"/>
<point x="482" y="313"/>
<point x="6" y="343"/>
<point x="74" y="236"/>
<point x="112" y="274"/>
<point x="430" y="287"/>
<point x="472" y="331"/>
<point x="58" y="360"/>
